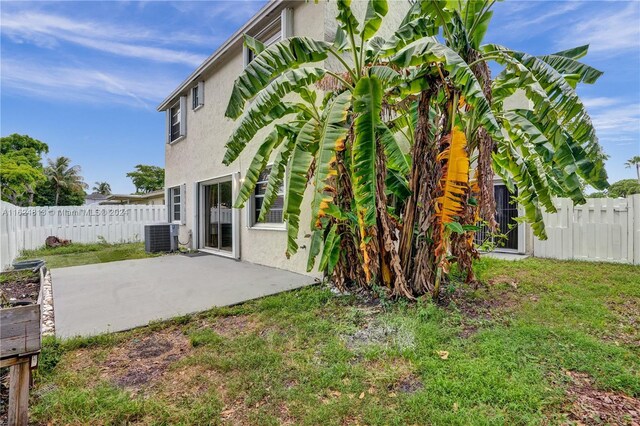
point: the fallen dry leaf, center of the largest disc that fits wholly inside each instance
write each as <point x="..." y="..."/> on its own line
<point x="443" y="354"/>
<point x="361" y="395"/>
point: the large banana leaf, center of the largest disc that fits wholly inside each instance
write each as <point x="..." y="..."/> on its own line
<point x="268" y="99"/>
<point x="455" y="178"/>
<point x="376" y="11"/>
<point x="256" y="167"/>
<point x="408" y="33"/>
<point x="556" y="97"/>
<point x="345" y="17"/>
<point x="566" y="63"/>
<point x="331" y="250"/>
<point x="557" y="104"/>
<point x="297" y="180"/>
<point x="396" y="158"/>
<point x="331" y="139"/>
<point x="282" y="56"/>
<point x="510" y="166"/>
<point x="425" y="51"/>
<point x="314" y="248"/>
<point x="255" y="45"/>
<point x="276" y="177"/>
<point x="367" y="104"/>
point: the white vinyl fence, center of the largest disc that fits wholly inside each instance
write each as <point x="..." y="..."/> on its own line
<point x="26" y="228"/>
<point x="603" y="229"/>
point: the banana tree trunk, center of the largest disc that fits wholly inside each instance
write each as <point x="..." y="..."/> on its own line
<point x="416" y="252"/>
<point x="390" y="264"/>
<point x="348" y="271"/>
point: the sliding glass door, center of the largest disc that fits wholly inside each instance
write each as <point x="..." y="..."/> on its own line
<point x="217" y="218"/>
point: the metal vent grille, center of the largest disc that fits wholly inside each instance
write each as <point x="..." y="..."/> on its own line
<point x="157" y="238"/>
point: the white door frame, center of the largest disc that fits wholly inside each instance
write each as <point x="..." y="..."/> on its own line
<point x="234" y="178"/>
<point x="521" y="227"/>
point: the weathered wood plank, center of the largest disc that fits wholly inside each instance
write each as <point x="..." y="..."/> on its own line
<point x="8" y="362"/>
<point x="16" y="329"/>
<point x="19" y="376"/>
<point x="19" y="314"/>
<point x="19" y="330"/>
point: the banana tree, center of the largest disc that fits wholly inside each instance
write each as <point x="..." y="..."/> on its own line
<point x="384" y="214"/>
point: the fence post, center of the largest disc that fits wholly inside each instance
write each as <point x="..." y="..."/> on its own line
<point x="633" y="206"/>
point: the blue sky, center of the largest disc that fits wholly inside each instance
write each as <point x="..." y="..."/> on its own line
<point x="86" y="77"/>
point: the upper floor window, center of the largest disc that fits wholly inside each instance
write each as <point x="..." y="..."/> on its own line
<point x="275" y="31"/>
<point x="177" y="120"/>
<point x="275" y="213"/>
<point x="197" y="95"/>
<point x="194" y="98"/>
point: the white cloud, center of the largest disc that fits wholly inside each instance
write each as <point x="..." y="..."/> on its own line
<point x="83" y="84"/>
<point x="620" y="118"/>
<point x="236" y="11"/>
<point x="528" y="25"/>
<point x="599" y="102"/>
<point x="617" y="121"/>
<point x="613" y="33"/>
<point x="47" y="30"/>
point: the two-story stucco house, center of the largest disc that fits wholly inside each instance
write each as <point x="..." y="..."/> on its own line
<point x="200" y="190"/>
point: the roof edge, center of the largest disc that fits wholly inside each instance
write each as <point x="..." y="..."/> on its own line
<point x="228" y="44"/>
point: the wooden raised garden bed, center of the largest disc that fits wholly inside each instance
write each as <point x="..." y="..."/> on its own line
<point x="20" y="333"/>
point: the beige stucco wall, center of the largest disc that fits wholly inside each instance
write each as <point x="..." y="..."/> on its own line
<point x="198" y="156"/>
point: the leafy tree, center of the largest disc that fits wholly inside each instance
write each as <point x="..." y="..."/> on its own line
<point x="102" y="188"/>
<point x="147" y="178"/>
<point x="619" y="189"/>
<point x="62" y="175"/>
<point x="21" y="168"/>
<point x="16" y="142"/>
<point x="46" y="195"/>
<point x="623" y="188"/>
<point x="428" y="87"/>
<point x="634" y="162"/>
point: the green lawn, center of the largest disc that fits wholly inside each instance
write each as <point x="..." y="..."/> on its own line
<point x="84" y="254"/>
<point x="537" y="344"/>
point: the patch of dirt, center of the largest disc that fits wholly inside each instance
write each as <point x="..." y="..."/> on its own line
<point x="592" y="406"/>
<point x="144" y="361"/>
<point x="409" y="384"/>
<point x="476" y="310"/>
<point x="19" y="286"/>
<point x="375" y="332"/>
<point x="392" y="375"/>
<point x="627" y="328"/>
<point x="233" y="326"/>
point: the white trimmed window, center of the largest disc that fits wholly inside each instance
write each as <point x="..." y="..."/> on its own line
<point x="275" y="214"/>
<point x="197" y="96"/>
<point x="277" y="30"/>
<point x="175" y="204"/>
<point x="177" y="120"/>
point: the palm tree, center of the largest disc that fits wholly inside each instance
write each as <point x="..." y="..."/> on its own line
<point x="634" y="161"/>
<point x="429" y="87"/>
<point x="102" y="188"/>
<point x="64" y="176"/>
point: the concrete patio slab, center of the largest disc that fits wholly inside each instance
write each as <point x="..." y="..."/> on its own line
<point x="505" y="255"/>
<point x="116" y="296"/>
